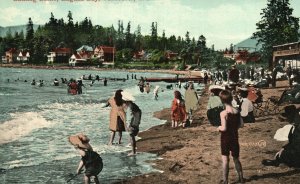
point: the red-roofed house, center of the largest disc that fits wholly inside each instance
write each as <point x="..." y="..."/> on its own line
<point x="59" y="55"/>
<point x="10" y="56"/>
<point x="171" y="55"/>
<point x="105" y="54"/>
<point x="244" y="57"/>
<point x="139" y="55"/>
<point x="23" y="56"/>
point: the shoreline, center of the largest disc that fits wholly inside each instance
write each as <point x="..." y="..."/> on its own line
<point x="192" y="155"/>
<point x="193" y="73"/>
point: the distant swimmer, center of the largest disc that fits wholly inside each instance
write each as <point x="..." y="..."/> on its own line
<point x="55" y="82"/>
<point x="105" y="82"/>
<point x="41" y="83"/>
<point x="33" y="82"/>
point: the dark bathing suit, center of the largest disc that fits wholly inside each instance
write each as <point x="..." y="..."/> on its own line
<point x="230" y="137"/>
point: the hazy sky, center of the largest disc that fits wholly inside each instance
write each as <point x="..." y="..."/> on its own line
<point x="222" y="22"/>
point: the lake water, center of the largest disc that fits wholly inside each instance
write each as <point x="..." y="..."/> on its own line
<point x="35" y="123"/>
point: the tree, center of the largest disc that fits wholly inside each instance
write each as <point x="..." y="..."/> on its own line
<point x="128" y="37"/>
<point x="231" y="49"/>
<point x="153" y="42"/>
<point x="138" y="39"/>
<point x="29" y="30"/>
<point x="29" y="35"/>
<point x="70" y="19"/>
<point x="277" y="26"/>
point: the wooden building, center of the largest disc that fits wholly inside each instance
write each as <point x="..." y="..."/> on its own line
<point x="288" y="53"/>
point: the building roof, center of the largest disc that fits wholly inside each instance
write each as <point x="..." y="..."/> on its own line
<point x="107" y="49"/>
<point x="62" y="50"/>
<point x="12" y="50"/>
<point x="85" y="48"/>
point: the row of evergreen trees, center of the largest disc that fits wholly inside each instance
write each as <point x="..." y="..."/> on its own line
<point x="61" y="33"/>
<point x="277" y="26"/>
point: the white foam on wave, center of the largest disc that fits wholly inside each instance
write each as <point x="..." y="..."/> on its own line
<point x="21" y="125"/>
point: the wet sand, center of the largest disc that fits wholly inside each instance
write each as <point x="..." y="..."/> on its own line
<point x="192" y="155"/>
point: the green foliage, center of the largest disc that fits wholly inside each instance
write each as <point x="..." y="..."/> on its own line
<point x="277" y="26"/>
<point x="75" y="34"/>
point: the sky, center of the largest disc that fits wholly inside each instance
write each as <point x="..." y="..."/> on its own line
<point x="222" y="22"/>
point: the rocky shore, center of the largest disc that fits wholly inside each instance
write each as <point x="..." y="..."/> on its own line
<point x="192" y="155"/>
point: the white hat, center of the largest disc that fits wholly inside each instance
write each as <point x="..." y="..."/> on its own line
<point x="212" y="87"/>
<point x="126" y="96"/>
<point x="243" y="89"/>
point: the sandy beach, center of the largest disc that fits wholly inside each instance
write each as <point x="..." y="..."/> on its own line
<point x="192" y="155"/>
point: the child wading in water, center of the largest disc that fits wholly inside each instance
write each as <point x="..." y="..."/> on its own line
<point x="231" y="121"/>
<point x="135" y="121"/>
<point x="89" y="158"/>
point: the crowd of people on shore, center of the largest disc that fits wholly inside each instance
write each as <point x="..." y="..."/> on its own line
<point x="229" y="107"/>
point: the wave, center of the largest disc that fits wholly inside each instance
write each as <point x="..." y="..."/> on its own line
<point x="21" y="125"/>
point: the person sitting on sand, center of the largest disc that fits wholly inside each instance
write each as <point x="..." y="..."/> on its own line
<point x="289" y="154"/>
<point x="214" y="105"/>
<point x="135" y="121"/>
<point x="178" y="114"/>
<point x="117" y="116"/>
<point x="90" y="159"/>
<point x="231" y="121"/>
<point x="246" y="107"/>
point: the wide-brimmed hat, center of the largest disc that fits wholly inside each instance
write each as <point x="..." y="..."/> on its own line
<point x="126" y="96"/>
<point x="213" y="88"/>
<point x="80" y="141"/>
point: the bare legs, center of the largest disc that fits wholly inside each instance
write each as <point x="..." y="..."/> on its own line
<point x="174" y="124"/>
<point x="120" y="137"/>
<point x="239" y="169"/>
<point x="225" y="167"/>
<point x="237" y="165"/>
<point x="112" y="137"/>
<point x="133" y="145"/>
<point x="87" y="180"/>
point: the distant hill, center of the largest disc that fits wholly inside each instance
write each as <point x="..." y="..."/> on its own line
<point x="249" y="44"/>
<point x="13" y="29"/>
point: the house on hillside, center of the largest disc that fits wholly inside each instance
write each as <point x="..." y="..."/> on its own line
<point x="242" y="56"/>
<point x="23" y="56"/>
<point x="171" y="55"/>
<point x="105" y="54"/>
<point x="59" y="55"/>
<point x="82" y="56"/>
<point x="140" y="55"/>
<point x="10" y="56"/>
<point x="229" y="54"/>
